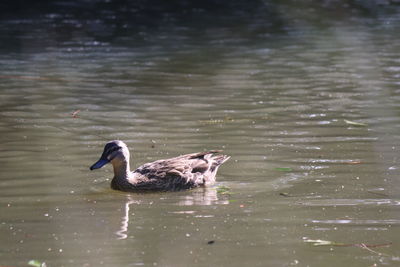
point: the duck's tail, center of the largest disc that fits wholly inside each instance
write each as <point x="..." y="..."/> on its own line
<point x="215" y="161"/>
<point x="219" y="159"/>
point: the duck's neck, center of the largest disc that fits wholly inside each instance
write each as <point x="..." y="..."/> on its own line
<point x="122" y="170"/>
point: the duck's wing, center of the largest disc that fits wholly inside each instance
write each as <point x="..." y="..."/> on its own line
<point x="181" y="172"/>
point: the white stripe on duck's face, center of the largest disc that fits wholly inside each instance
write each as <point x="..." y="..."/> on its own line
<point x="112" y="150"/>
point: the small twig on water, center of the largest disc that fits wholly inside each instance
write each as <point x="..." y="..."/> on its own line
<point x="364" y="246"/>
<point x="368" y="247"/>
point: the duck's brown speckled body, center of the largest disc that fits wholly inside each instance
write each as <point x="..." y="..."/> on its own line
<point x="179" y="173"/>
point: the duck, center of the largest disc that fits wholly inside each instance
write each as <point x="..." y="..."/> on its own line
<point x="174" y="174"/>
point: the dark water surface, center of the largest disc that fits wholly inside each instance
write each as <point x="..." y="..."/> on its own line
<point x="306" y="100"/>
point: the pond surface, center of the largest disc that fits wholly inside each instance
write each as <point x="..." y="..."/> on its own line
<point x="305" y="100"/>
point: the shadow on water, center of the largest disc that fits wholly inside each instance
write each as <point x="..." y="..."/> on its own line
<point x="173" y="24"/>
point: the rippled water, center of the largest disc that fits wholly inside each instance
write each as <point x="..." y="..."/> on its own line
<point x="305" y="100"/>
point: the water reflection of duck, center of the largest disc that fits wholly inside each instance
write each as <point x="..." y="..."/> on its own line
<point x="183" y="172"/>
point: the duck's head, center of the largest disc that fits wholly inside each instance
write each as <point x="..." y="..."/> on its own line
<point x="115" y="152"/>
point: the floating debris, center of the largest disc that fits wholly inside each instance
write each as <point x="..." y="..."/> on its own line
<point x="217" y="121"/>
<point x="75" y="113"/>
<point x="319" y="242"/>
<point x="353" y="162"/>
<point x="355" y="123"/>
<point x="36" y="263"/>
<point x="229" y="119"/>
<point x="224" y="190"/>
<point x="153" y="143"/>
